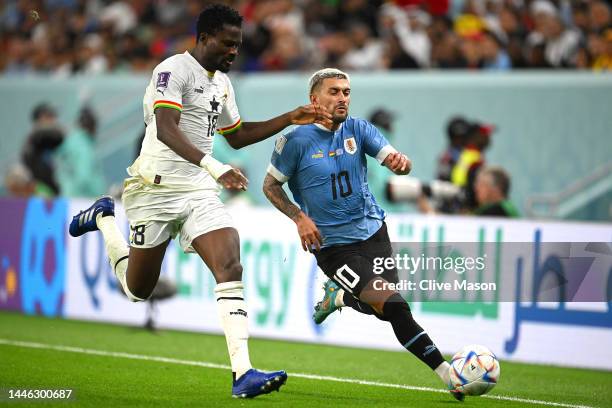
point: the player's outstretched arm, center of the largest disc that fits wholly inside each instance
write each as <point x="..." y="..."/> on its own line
<point x="398" y="163"/>
<point x="253" y="132"/>
<point x="308" y="231"/>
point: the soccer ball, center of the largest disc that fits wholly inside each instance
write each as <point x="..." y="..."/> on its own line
<point x="474" y="370"/>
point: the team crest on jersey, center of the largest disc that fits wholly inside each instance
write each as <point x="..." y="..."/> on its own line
<point x="163" y="79"/>
<point x="280" y="144"/>
<point x="350" y="146"/>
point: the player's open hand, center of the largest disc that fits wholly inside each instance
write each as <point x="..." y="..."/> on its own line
<point x="398" y="163"/>
<point x="233" y="180"/>
<point x="310" y="237"/>
<point x="310" y="114"/>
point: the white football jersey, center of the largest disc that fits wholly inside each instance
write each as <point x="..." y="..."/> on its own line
<point x="207" y="104"/>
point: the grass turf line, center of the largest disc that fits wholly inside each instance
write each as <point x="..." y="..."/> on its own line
<point x="101" y="381"/>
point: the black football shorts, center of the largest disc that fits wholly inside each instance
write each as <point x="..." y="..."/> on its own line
<point x="351" y="266"/>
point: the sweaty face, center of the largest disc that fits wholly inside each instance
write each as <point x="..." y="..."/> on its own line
<point x="221" y="49"/>
<point x="334" y="94"/>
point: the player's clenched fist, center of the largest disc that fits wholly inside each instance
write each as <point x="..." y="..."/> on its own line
<point x="310" y="114"/>
<point x="398" y="163"/>
<point x="309" y="233"/>
<point x="233" y="180"/>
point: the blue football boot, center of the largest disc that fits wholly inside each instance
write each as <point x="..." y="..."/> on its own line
<point x="254" y="383"/>
<point x="327" y="305"/>
<point x="458" y="395"/>
<point x="85" y="221"/>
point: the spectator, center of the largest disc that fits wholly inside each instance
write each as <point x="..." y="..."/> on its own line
<point x="366" y="51"/>
<point x="445" y="51"/>
<point x="492" y="188"/>
<point x="514" y="31"/>
<point x="410" y="30"/>
<point x="395" y="57"/>
<point x="580" y="15"/>
<point x="37" y="154"/>
<point x="560" y="42"/>
<point x="19" y="182"/>
<point x="599" y="15"/>
<point x="470" y="51"/>
<point x="90" y="58"/>
<point x="96" y="37"/>
<point x="493" y="52"/>
<point x="457" y="131"/>
<point x="286" y="50"/>
<point x="600" y="48"/>
<point x="471" y="160"/>
<point x="78" y="169"/>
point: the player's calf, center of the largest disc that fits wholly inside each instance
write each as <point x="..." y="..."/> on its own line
<point x="101" y="216"/>
<point x="409" y="333"/>
<point x="412" y="336"/>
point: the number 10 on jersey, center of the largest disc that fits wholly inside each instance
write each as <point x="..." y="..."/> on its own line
<point x="343" y="182"/>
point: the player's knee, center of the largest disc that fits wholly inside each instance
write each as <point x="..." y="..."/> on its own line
<point x="229" y="271"/>
<point x="137" y="294"/>
<point x="396" y="306"/>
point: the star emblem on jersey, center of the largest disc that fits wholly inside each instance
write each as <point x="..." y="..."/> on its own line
<point x="350" y="146"/>
<point x="214" y="104"/>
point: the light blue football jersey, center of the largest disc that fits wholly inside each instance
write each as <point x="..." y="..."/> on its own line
<point x="327" y="175"/>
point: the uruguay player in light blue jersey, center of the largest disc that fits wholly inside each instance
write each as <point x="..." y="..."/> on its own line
<point x="338" y="219"/>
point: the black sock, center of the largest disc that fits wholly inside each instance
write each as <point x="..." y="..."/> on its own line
<point x="408" y="332"/>
<point x="354" y="303"/>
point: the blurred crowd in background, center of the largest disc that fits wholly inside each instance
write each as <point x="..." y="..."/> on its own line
<point x="67" y="37"/>
<point x="55" y="161"/>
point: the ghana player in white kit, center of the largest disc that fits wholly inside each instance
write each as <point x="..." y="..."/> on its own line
<point x="173" y="184"/>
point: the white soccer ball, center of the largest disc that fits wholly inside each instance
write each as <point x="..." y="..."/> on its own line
<point x="474" y="370"/>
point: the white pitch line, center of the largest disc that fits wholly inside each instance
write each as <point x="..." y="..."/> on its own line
<point x="205" y="364"/>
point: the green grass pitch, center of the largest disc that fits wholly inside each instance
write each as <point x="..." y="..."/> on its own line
<point x="28" y="359"/>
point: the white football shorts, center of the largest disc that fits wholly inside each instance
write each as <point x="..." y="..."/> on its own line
<point x="159" y="213"/>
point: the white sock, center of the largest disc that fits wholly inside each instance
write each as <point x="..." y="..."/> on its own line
<point x="442" y="371"/>
<point x="233" y="315"/>
<point x="339" y="302"/>
<point x="117" y="250"/>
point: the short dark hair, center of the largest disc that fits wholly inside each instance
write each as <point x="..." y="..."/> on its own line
<point x="87" y="119"/>
<point x="500" y="178"/>
<point x="41" y="109"/>
<point x="214" y="17"/>
<point x="457" y="126"/>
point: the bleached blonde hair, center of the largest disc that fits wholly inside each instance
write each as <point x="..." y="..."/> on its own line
<point x="318" y="77"/>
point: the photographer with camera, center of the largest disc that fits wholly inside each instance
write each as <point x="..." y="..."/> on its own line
<point x="491" y="190"/>
<point x="471" y="160"/>
<point x="457" y="130"/>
